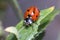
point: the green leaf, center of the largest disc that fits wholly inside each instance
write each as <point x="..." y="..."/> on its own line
<point x="36" y="28"/>
<point x="19" y="25"/>
<point x="40" y="36"/>
<point x="45" y="22"/>
<point x="28" y="34"/>
<point x="48" y="19"/>
<point x="12" y="30"/>
<point x="11" y="37"/>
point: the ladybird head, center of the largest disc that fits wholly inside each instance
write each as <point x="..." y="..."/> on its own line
<point x="28" y="21"/>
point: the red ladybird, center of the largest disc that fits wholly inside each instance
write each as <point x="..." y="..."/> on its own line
<point x="31" y="15"/>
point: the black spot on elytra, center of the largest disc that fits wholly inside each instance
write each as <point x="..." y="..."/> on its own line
<point x="36" y="16"/>
<point x="28" y="10"/>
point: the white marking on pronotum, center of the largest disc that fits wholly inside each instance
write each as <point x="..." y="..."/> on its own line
<point x="30" y="21"/>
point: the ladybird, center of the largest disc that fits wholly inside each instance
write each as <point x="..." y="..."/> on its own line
<point x="31" y="15"/>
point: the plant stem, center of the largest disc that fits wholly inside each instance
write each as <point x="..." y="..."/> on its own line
<point x="16" y="8"/>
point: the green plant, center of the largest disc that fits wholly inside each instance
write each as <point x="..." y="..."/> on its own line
<point x="21" y="33"/>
